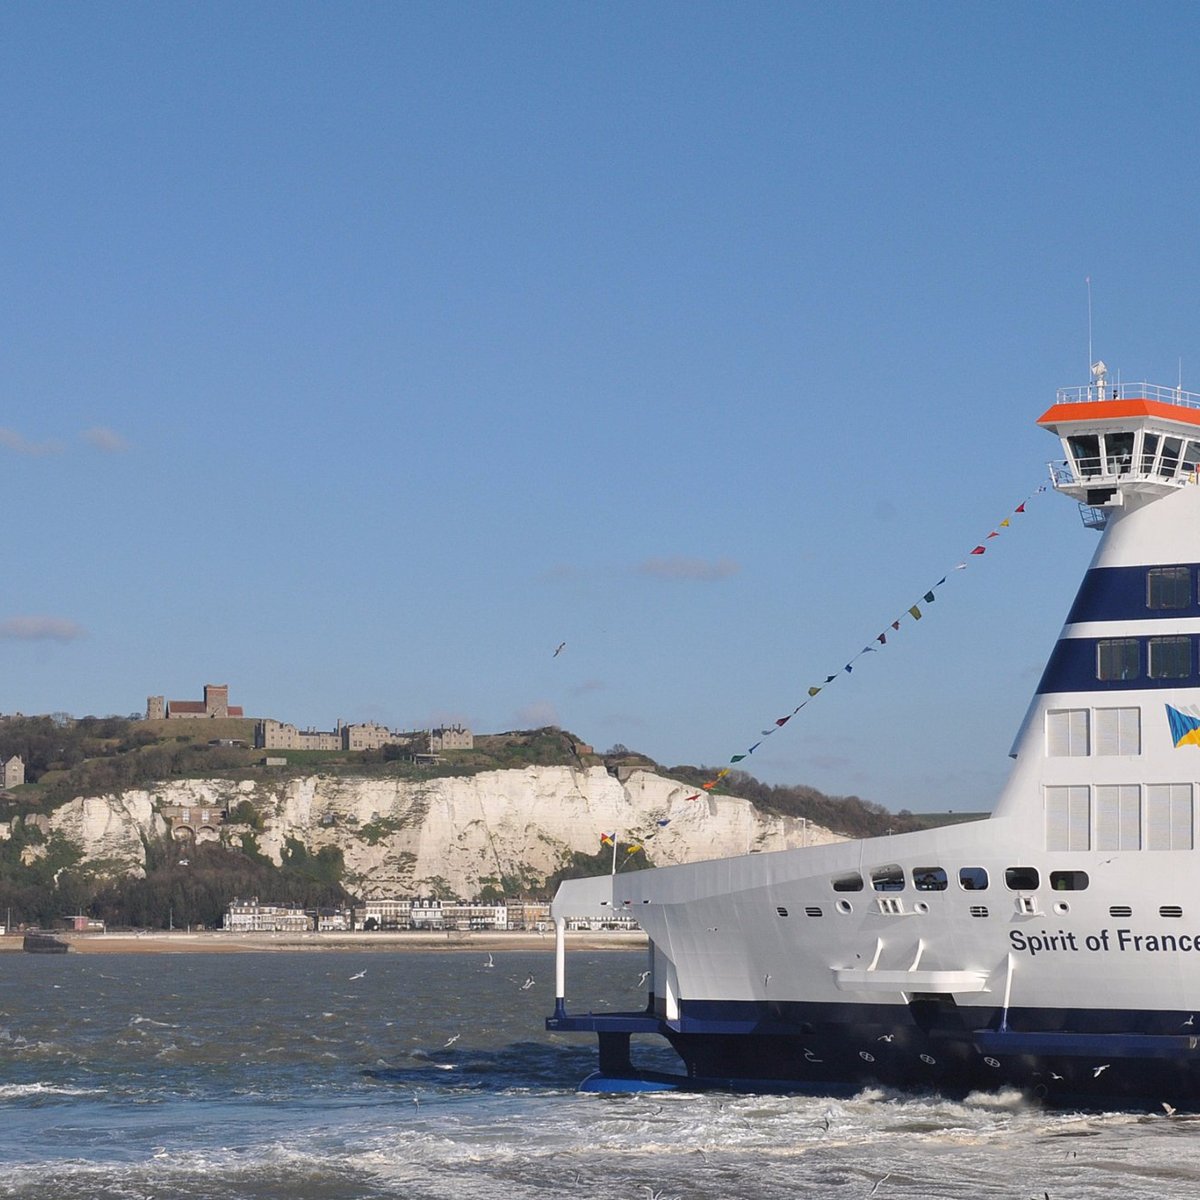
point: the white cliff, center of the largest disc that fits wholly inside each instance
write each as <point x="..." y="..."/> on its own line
<point x="399" y="836"/>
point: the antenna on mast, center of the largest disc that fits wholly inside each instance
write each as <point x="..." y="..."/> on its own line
<point x="1088" y="280"/>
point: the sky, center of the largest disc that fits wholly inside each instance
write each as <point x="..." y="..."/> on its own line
<point x="358" y="355"/>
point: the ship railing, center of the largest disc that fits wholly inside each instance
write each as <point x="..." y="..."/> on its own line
<point x="1128" y="391"/>
<point x="1099" y="472"/>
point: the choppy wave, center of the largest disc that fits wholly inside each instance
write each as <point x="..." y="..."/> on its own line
<point x="255" y="1078"/>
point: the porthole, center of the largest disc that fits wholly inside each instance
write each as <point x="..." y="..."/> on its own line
<point x="1062" y="908"/>
<point x="921" y="907"/>
<point x="1021" y="879"/>
<point x="844" y="906"/>
<point x="1068" y="881"/>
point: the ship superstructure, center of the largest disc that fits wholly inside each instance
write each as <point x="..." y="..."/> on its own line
<point x="1054" y="947"/>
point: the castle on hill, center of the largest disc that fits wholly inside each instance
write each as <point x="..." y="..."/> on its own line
<point x="270" y="734"/>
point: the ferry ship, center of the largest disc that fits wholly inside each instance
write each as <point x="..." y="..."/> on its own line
<point x="1053" y="947"/>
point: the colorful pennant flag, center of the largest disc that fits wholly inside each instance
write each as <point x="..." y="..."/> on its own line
<point x="915" y="612"/>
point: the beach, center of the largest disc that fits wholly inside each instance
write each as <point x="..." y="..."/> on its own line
<point x="221" y="942"/>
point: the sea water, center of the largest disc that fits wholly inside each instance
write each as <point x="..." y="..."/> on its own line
<point x="426" y="1074"/>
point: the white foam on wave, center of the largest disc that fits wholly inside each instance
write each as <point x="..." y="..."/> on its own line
<point x="25" y="1091"/>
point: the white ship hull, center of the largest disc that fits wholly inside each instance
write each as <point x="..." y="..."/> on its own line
<point x="1054" y="947"/>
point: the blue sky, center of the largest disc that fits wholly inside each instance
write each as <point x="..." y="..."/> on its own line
<point x="358" y="355"/>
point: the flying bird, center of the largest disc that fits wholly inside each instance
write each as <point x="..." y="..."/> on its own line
<point x="559" y="649"/>
<point x="359" y="975"/>
<point x="643" y="977"/>
<point x="1168" y="1109"/>
<point x="452" y="1040"/>
<point x="1097" y="1071"/>
<point x="491" y="962"/>
<point x="527" y="984"/>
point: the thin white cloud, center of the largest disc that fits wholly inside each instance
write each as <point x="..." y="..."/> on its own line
<point x="106" y="440"/>
<point x="589" y="685"/>
<point x="19" y="444"/>
<point x="688" y="569"/>
<point x="41" y="629"/>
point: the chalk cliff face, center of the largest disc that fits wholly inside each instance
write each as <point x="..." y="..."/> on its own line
<point x="401" y="837"/>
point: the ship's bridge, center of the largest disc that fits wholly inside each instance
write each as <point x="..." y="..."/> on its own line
<point x="1122" y="440"/>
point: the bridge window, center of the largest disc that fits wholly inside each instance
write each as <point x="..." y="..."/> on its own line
<point x="1118" y="453"/>
<point x="1118" y="658"/>
<point x="1085" y="450"/>
<point x="1169" y="587"/>
<point x="1170" y="658"/>
<point x="1172" y="447"/>
<point x="1149" y="452"/>
<point x="852" y="882"/>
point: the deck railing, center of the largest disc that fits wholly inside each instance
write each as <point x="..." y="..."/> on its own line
<point x="1128" y="391"/>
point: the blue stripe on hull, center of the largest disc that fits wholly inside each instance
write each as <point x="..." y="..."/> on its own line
<point x="1072" y="668"/>
<point x="1119" y="594"/>
<point x="1080" y="1058"/>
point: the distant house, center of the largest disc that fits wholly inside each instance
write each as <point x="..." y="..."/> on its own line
<point x="12" y="772"/>
<point x="450" y="737"/>
<point x="195" y="822"/>
<point x="278" y="735"/>
<point x="248" y="916"/>
<point x="215" y="705"/>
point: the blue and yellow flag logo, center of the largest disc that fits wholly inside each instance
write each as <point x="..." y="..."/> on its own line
<point x="1185" y="730"/>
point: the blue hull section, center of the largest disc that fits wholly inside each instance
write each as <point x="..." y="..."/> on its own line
<point x="1078" y="1059"/>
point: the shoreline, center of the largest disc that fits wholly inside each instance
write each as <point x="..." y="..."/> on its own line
<point x="406" y="940"/>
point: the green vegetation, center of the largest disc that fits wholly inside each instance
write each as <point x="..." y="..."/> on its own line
<point x="42" y="877"/>
<point x="847" y="815"/>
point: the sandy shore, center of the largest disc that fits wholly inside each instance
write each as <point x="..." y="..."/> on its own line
<point x="181" y="942"/>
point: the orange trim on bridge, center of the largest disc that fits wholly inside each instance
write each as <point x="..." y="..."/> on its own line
<point x="1116" y="410"/>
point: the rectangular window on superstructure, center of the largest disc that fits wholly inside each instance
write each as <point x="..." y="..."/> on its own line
<point x="1067" y="733"/>
<point x="1085" y="450"/>
<point x="1118" y="658"/>
<point x="1149" y="452"/>
<point x="1118" y="730"/>
<point x="1118" y="816"/>
<point x="1169" y="587"/>
<point x="1169" y="658"/>
<point x="1067" y="818"/>
<point x="1118" y="452"/>
<point x="1171" y="448"/>
<point x="1169" y="816"/>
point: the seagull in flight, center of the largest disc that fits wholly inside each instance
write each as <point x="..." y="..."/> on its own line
<point x="491" y="962"/>
<point x="1096" y="1071"/>
<point x="643" y="977"/>
<point x="452" y="1040"/>
<point x="527" y="984"/>
<point x="359" y="975"/>
<point x="559" y="649"/>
